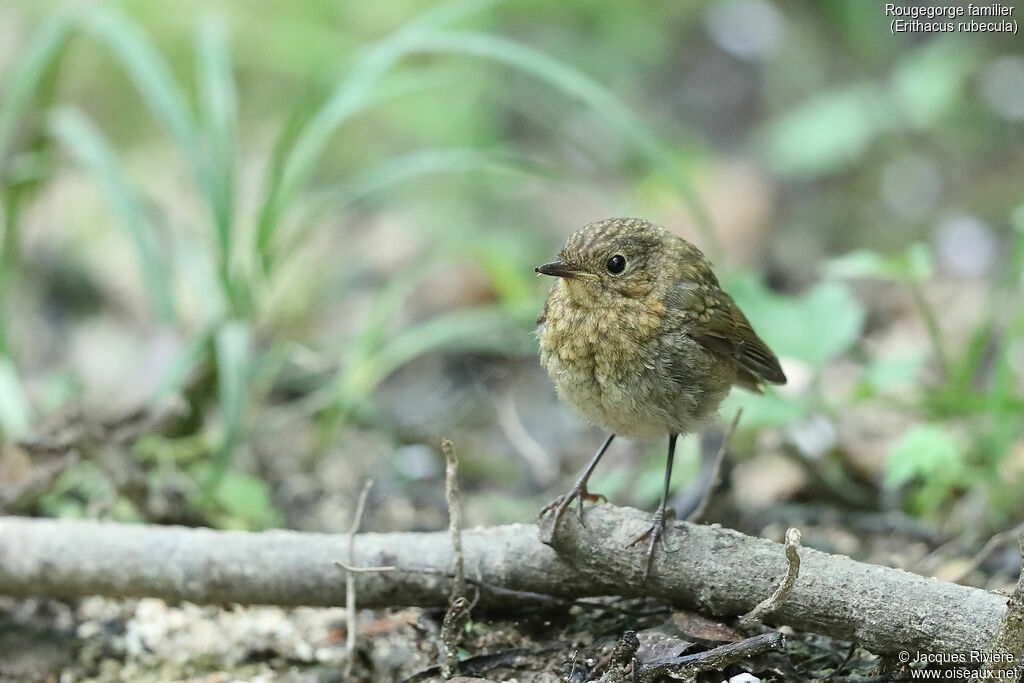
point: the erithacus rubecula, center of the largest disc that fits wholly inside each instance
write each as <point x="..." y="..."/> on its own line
<point x="640" y="339"/>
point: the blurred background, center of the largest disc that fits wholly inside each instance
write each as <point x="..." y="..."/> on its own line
<point x="254" y="254"/>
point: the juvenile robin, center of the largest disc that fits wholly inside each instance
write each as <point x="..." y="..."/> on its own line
<point x="640" y="339"/>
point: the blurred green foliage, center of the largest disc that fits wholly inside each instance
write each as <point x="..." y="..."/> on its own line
<point x="286" y="132"/>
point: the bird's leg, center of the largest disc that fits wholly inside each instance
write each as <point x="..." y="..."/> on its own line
<point x="579" y="490"/>
<point x="657" y="528"/>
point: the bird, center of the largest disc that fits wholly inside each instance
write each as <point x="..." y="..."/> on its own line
<point x="639" y="338"/>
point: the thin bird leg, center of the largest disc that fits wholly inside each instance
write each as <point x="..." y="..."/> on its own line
<point x="579" y="490"/>
<point x="657" y="528"/>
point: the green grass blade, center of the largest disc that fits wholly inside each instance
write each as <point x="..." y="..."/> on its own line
<point x="219" y="115"/>
<point x="355" y="93"/>
<point x="25" y="76"/>
<point x="583" y="88"/>
<point x="149" y="72"/>
<point x="92" y="150"/>
<point x="402" y="169"/>
<point x="14" y="410"/>
<point x="233" y="348"/>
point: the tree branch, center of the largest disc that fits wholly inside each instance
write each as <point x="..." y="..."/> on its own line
<point x="716" y="571"/>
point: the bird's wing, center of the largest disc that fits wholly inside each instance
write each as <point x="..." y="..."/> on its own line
<point x="715" y="321"/>
<point x="728" y="332"/>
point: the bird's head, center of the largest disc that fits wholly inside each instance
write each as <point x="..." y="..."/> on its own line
<point x="613" y="258"/>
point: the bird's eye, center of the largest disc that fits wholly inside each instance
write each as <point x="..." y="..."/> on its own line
<point x="616" y="264"/>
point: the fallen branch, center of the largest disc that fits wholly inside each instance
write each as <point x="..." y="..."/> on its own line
<point x="717" y="571"/>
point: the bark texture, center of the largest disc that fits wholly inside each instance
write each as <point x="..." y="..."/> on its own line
<point x="714" y="570"/>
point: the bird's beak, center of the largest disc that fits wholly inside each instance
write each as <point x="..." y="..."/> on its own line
<point x="557" y="269"/>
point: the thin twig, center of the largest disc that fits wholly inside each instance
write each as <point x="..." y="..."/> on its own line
<point x="625" y="668"/>
<point x="459" y="605"/>
<point x="991" y="545"/>
<point x="350" y="581"/>
<point x="451" y="494"/>
<point x="769" y="604"/>
<point x="714" y="659"/>
<point x="364" y="570"/>
<point x="716" y="469"/>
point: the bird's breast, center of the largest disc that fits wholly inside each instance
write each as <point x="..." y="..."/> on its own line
<point x="602" y="360"/>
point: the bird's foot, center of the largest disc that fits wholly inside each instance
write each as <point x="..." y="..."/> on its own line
<point x="654" y="532"/>
<point x="560" y="505"/>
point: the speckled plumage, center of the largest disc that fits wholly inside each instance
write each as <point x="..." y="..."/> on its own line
<point x="653" y="350"/>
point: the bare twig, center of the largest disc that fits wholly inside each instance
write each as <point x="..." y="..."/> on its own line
<point x="451" y="494"/>
<point x="991" y="545"/>
<point x="716" y="470"/>
<point x="770" y="603"/>
<point x="715" y="659"/>
<point x="350" y="581"/>
<point x="481" y="664"/>
<point x="452" y="628"/>
<point x="459" y="606"/>
<point x="624" y="668"/>
<point x="364" y="570"/>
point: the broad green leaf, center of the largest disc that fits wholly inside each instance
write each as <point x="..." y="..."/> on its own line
<point x="826" y="133"/>
<point x="246" y="501"/>
<point x="923" y="450"/>
<point x="913" y="265"/>
<point x="928" y="83"/>
<point x="814" y="327"/>
<point x="893" y="372"/>
<point x="770" y="409"/>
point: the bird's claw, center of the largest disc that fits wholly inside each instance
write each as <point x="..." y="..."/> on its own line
<point x="655" y="532"/>
<point x="561" y="504"/>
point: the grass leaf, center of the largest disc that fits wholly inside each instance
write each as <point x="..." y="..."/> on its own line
<point x="233" y="348"/>
<point x="585" y="89"/>
<point x="14" y="411"/>
<point x="219" y="112"/>
<point x="92" y="150"/>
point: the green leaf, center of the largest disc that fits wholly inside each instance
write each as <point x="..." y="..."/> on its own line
<point x="912" y="266"/>
<point x="826" y="133"/>
<point x="927" y="84"/>
<point x="246" y="500"/>
<point x="894" y="372"/>
<point x="922" y="451"/>
<point x="814" y="328"/>
<point x="760" y="411"/>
